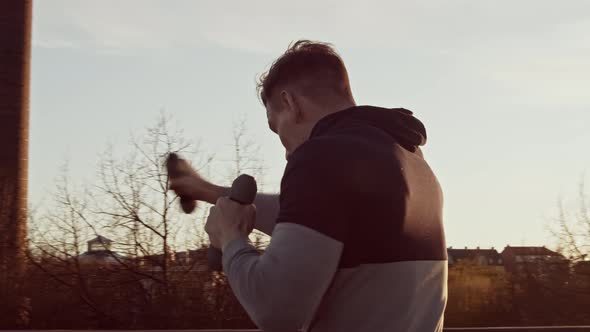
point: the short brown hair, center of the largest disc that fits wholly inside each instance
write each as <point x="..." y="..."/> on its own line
<point x="306" y="61"/>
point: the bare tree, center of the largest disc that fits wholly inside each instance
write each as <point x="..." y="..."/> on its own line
<point x="246" y="156"/>
<point x="572" y="228"/>
<point x="135" y="205"/>
<point x="56" y="242"/>
<point x="247" y="159"/>
<point x="131" y="204"/>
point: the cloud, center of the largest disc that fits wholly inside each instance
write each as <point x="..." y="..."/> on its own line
<point x="531" y="47"/>
<point x="56" y="43"/>
<point x="551" y="69"/>
<point x="265" y="25"/>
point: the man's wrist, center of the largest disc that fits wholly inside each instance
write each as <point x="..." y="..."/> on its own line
<point x="231" y="238"/>
<point x="231" y="249"/>
<point x="213" y="192"/>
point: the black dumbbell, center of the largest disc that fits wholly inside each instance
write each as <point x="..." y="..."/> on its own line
<point x="243" y="191"/>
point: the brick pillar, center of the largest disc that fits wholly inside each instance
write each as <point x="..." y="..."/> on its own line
<point x="15" y="49"/>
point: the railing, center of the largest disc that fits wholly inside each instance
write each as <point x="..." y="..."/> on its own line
<point x="448" y="329"/>
<point x="519" y="329"/>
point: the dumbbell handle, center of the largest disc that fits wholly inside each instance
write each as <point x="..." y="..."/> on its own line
<point x="243" y="191"/>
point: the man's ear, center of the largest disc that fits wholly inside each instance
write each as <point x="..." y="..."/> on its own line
<point x="290" y="103"/>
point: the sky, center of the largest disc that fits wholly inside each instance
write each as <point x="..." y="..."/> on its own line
<point x="503" y="88"/>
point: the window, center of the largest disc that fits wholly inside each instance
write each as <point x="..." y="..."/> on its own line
<point x="97" y="247"/>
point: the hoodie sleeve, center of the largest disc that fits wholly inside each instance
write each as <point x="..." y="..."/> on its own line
<point x="282" y="288"/>
<point x="267" y="209"/>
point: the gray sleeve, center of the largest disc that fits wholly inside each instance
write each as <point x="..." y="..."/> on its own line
<point x="282" y="288"/>
<point x="267" y="210"/>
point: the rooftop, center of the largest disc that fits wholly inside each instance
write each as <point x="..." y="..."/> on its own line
<point x="530" y="251"/>
<point x="100" y="239"/>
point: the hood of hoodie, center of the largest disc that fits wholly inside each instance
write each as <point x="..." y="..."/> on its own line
<point x="399" y="123"/>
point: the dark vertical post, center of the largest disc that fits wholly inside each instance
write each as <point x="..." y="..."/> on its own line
<point x="15" y="50"/>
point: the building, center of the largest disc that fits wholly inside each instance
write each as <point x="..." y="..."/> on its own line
<point x="190" y="259"/>
<point x="187" y="268"/>
<point x="582" y="268"/>
<point x="535" y="260"/>
<point x="99" y="252"/>
<point x="99" y="243"/>
<point x="483" y="257"/>
<point x="581" y="275"/>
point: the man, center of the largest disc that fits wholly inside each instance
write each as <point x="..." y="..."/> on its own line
<point x="357" y="236"/>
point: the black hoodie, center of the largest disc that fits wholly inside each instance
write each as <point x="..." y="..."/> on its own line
<point x="356" y="155"/>
<point x="399" y="123"/>
<point x="358" y="243"/>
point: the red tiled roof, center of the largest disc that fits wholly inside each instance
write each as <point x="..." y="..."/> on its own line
<point x="530" y="251"/>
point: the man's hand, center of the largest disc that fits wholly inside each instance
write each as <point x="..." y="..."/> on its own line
<point x="229" y="220"/>
<point x="190" y="184"/>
